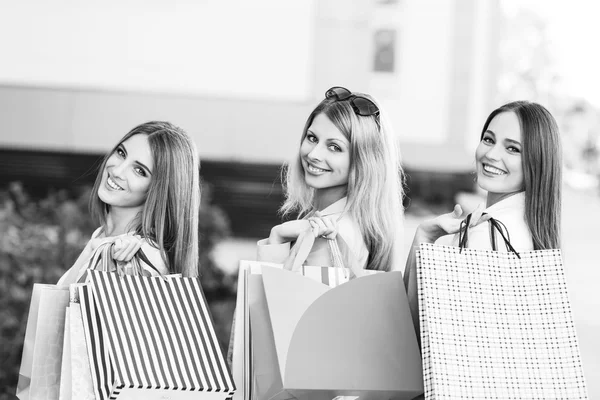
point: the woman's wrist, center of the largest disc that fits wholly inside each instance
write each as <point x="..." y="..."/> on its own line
<point x="274" y="237"/>
<point x="428" y="232"/>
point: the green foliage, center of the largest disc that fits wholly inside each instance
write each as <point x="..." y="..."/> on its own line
<point x="41" y="238"/>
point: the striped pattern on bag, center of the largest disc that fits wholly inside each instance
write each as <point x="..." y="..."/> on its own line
<point x="102" y="371"/>
<point x="332" y="276"/>
<point x="160" y="334"/>
<point x="329" y="276"/>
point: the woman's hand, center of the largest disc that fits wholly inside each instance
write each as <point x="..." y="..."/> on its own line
<point x="323" y="226"/>
<point x="93" y="244"/>
<point x="431" y="230"/>
<point x="125" y="247"/>
<point x="289" y="231"/>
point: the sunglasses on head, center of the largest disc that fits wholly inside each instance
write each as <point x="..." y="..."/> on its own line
<point x="360" y="104"/>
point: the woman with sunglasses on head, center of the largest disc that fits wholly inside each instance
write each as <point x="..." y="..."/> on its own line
<point x="346" y="183"/>
<point x="519" y="164"/>
<point x="147" y="197"/>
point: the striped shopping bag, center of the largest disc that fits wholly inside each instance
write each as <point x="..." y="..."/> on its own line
<point x="153" y="337"/>
<point x="101" y="370"/>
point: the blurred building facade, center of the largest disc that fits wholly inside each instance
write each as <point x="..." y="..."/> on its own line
<point x="241" y="79"/>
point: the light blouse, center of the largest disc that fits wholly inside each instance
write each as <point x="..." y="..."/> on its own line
<point x="511" y="212"/>
<point x="349" y="238"/>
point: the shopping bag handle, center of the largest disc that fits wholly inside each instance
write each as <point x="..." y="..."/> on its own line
<point x="102" y="261"/>
<point x="302" y="248"/>
<point x="495" y="226"/>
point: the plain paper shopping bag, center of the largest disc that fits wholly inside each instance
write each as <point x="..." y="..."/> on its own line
<point x="39" y="374"/>
<point x="65" y="368"/>
<point x="353" y="340"/>
<point x="81" y="385"/>
<point x="254" y="359"/>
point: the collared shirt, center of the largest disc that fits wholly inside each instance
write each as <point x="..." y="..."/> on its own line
<point x="349" y="237"/>
<point x="511" y="212"/>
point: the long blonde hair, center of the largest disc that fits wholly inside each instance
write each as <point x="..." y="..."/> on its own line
<point x="375" y="183"/>
<point x="170" y="214"/>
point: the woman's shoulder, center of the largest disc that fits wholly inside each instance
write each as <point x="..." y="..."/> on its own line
<point x="353" y="242"/>
<point x="155" y="255"/>
<point x="97" y="232"/>
<point x="348" y="228"/>
<point x="516" y="226"/>
<point x="518" y="231"/>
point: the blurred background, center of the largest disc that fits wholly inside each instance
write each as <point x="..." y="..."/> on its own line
<point x="241" y="77"/>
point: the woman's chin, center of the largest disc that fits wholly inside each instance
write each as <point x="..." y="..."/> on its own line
<point x="105" y="196"/>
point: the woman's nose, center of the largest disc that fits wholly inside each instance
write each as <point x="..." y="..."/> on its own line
<point x="493" y="153"/>
<point x="315" y="153"/>
<point x="118" y="169"/>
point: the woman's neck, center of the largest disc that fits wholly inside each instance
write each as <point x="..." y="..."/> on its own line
<point x="493" y="198"/>
<point x="327" y="196"/>
<point x="119" y="220"/>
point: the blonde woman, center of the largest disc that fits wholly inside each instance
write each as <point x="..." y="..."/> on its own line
<point x="147" y="196"/>
<point x="346" y="178"/>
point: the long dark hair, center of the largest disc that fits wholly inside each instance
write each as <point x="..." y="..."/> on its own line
<point x="170" y="214"/>
<point x="542" y="170"/>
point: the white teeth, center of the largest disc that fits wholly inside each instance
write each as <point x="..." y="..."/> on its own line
<point x="493" y="170"/>
<point x="112" y="184"/>
<point x="315" y="169"/>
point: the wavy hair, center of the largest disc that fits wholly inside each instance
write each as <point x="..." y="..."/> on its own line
<point x="169" y="216"/>
<point x="542" y="170"/>
<point x="375" y="181"/>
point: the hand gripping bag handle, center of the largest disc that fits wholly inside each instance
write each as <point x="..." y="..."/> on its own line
<point x="495" y="226"/>
<point x="302" y="248"/>
<point x="102" y="261"/>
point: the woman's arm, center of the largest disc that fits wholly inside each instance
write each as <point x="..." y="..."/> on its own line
<point x="127" y="246"/>
<point x="288" y="231"/>
<point x="428" y="232"/>
<point x="276" y="248"/>
<point x="73" y="273"/>
<point x="156" y="257"/>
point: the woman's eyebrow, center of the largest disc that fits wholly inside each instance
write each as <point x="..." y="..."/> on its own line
<point x="339" y="141"/>
<point x="513" y="141"/>
<point x="136" y="161"/>
<point x="143" y="166"/>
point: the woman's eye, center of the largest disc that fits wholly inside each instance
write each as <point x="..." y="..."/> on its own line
<point x="334" y="147"/>
<point x="311" y="138"/>
<point x="513" y="149"/>
<point x="120" y="152"/>
<point x="140" y="171"/>
<point x="487" y="140"/>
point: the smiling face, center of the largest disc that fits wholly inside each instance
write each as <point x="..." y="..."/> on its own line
<point x="127" y="174"/>
<point x="325" y="158"/>
<point x="499" y="158"/>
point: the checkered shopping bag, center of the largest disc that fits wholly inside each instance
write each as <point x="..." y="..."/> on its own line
<point x="496" y="325"/>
